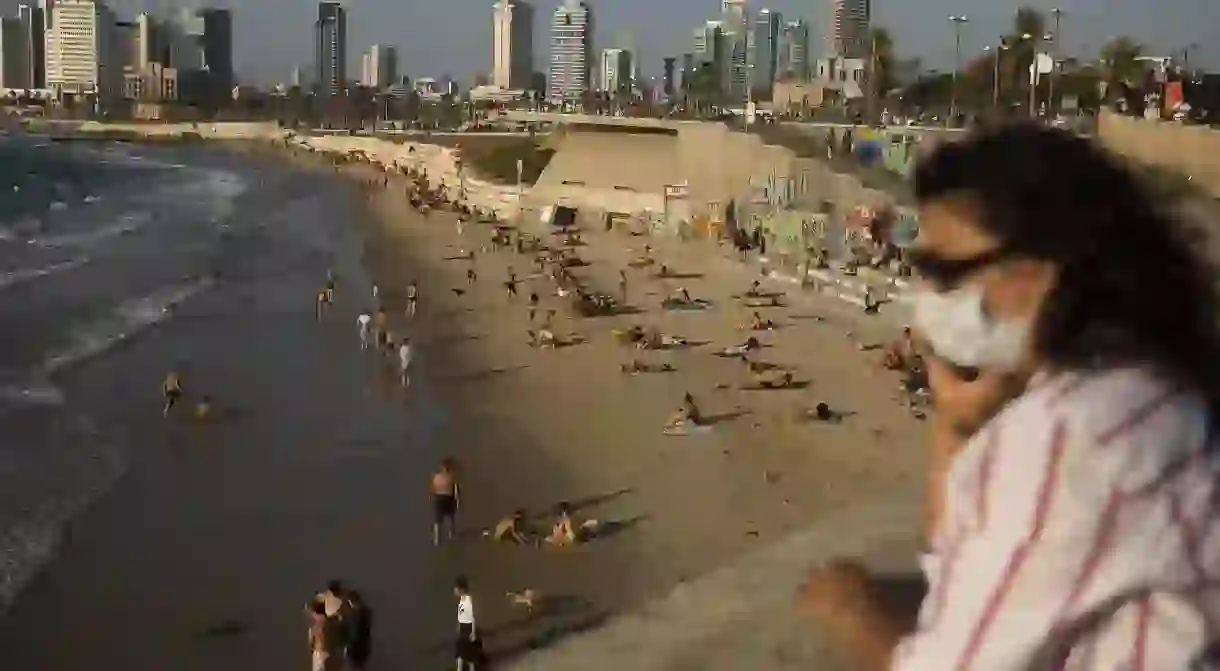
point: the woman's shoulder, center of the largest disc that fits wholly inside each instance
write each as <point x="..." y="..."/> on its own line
<point x="1134" y="421"/>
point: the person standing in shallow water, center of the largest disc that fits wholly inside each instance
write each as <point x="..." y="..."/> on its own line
<point x="445" y="500"/>
<point x="359" y="631"/>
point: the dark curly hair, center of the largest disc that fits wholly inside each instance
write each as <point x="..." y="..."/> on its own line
<point x="1134" y="286"/>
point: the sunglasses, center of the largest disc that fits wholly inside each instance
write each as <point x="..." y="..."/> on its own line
<point x="948" y="272"/>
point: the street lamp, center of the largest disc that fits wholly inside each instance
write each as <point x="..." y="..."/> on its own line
<point x="957" y="22"/>
<point x="1050" y="103"/>
<point x="995" y="73"/>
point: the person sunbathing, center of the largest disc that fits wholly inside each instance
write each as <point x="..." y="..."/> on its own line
<point x="654" y="339"/>
<point x="754" y="289"/>
<point x="763" y="380"/>
<point x="743" y="349"/>
<point x="563" y="533"/>
<point x="637" y="366"/>
<point x="511" y="529"/>
<point x="757" y="323"/>
<point x="543" y="338"/>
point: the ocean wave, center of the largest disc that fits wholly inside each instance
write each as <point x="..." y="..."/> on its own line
<point x="91" y="464"/>
<point x="128" y="223"/>
<point x="126" y="321"/>
<point x="22" y="275"/>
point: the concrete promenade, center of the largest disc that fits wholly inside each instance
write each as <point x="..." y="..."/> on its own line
<point x="744" y="615"/>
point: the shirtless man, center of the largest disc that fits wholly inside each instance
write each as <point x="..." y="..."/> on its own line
<point x="322" y="300"/>
<point x="511" y="284"/>
<point x="471" y="276"/>
<point x="379" y="322"/>
<point x="171" y="388"/>
<point x="445" y="499"/>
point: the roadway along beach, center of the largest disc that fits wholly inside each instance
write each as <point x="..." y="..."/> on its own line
<point x="205" y="554"/>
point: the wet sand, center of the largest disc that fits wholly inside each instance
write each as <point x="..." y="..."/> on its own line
<point x="206" y="553"/>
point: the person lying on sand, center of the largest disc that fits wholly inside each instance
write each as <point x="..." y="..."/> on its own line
<point x="664" y="272"/>
<point x="764" y="379"/>
<point x="637" y="366"/>
<point x="566" y="532"/>
<point x="741" y="350"/>
<point x="654" y="339"/>
<point x="542" y="338"/>
<point x="754" y="289"/>
<point x="757" y="323"/>
<point x="511" y="529"/>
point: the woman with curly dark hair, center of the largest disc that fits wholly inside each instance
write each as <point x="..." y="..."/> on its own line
<point x="1070" y="329"/>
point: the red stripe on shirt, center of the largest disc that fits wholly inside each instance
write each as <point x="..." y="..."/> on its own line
<point x="1137" y="417"/>
<point x="1067" y="389"/>
<point x="1097" y="550"/>
<point x="1140" y="647"/>
<point x="983" y="493"/>
<point x="1050" y="479"/>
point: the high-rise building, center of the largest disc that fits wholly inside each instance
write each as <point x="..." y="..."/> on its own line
<point x="513" y="45"/>
<point x="150" y="42"/>
<point x="81" y="56"/>
<point x="297" y="78"/>
<point x="379" y="66"/>
<point x="764" y="52"/>
<point x="688" y="69"/>
<point x="668" y="75"/>
<point x="218" y="47"/>
<point x="571" y="50"/>
<point x="736" y="29"/>
<point x="794" y="60"/>
<point x="712" y="51"/>
<point x="201" y="49"/>
<point x="615" y="74"/>
<point x="331" y="42"/>
<point x="849" y="26"/>
<point x="33" y="24"/>
<point x="14" y="51"/>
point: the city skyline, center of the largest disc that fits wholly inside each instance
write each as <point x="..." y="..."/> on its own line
<point x="273" y="37"/>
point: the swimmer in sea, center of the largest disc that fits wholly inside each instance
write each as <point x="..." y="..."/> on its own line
<point x="171" y="388"/>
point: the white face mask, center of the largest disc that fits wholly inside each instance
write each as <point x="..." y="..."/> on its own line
<point x="959" y="329"/>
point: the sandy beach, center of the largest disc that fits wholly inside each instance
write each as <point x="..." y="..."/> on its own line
<point x="534" y="427"/>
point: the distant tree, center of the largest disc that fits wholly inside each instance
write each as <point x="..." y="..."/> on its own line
<point x="1122" y="72"/>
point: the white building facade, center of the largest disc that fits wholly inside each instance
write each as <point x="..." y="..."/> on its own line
<point x="82" y="59"/>
<point x="379" y="66"/>
<point x="615" y="71"/>
<point x="513" y="44"/>
<point x="571" y="51"/>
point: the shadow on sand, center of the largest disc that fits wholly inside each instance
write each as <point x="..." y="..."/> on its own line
<point x="483" y="375"/>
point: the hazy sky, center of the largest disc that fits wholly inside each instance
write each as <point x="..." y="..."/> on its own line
<point x="454" y="36"/>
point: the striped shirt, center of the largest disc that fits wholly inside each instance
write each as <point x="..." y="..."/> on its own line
<point x="1079" y="532"/>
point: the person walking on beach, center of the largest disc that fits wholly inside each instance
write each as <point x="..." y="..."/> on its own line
<point x="404" y="362"/>
<point x="171" y="388"/>
<point x="379" y="320"/>
<point x="359" y="631"/>
<point x="622" y="284"/>
<point x="467" y="648"/>
<point x="511" y="284"/>
<point x="364" y="320"/>
<point x="533" y="309"/>
<point x="321" y="306"/>
<point x="376" y="291"/>
<point x="445" y="500"/>
<point x="412" y="298"/>
<point x="325" y="636"/>
<point x="471" y="276"/>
